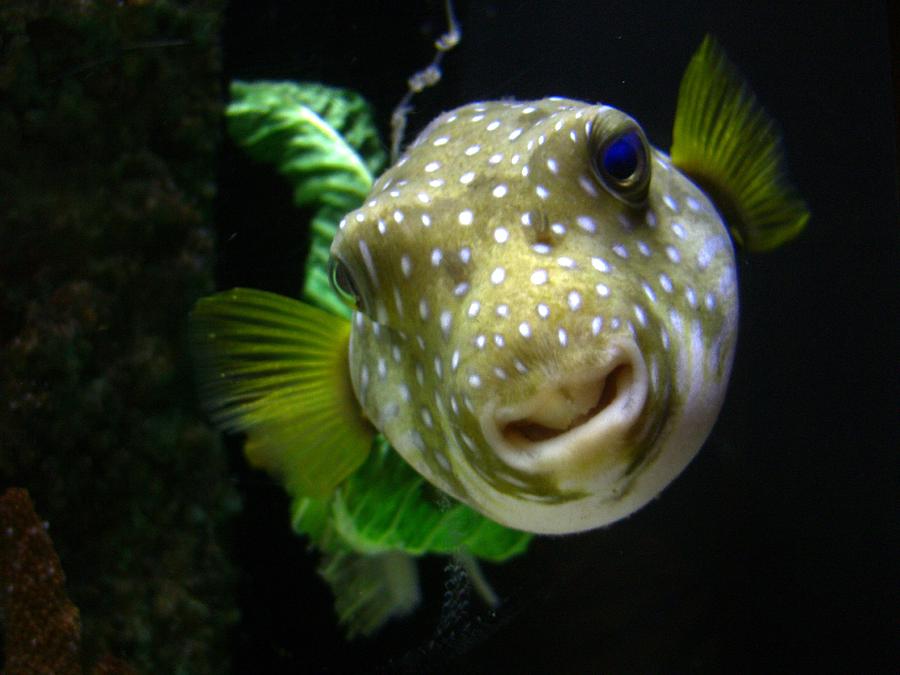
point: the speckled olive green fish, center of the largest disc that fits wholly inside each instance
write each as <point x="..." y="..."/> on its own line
<point x="545" y="305"/>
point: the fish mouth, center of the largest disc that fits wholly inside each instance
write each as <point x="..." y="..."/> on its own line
<point x="576" y="421"/>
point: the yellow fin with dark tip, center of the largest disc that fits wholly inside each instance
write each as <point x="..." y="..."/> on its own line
<point x="277" y="369"/>
<point x="726" y="142"/>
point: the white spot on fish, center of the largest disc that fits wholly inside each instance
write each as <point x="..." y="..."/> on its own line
<point x="539" y="277"/>
<point x="691" y="296"/>
<point x="446" y="322"/>
<point x="586" y="223"/>
<point x="665" y="282"/>
<point x="640" y="315"/>
<point x="587" y="185"/>
<point x="708" y="251"/>
<point x="670" y="202"/>
<point x="367" y="259"/>
<point x="600" y="264"/>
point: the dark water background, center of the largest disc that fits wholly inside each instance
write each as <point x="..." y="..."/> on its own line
<point x="776" y="550"/>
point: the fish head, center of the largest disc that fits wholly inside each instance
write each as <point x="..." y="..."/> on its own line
<point x="546" y="311"/>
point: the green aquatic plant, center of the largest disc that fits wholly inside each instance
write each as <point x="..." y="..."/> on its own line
<point x="360" y="504"/>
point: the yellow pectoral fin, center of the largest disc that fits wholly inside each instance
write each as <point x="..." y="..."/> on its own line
<point x="726" y="142"/>
<point x="277" y="369"/>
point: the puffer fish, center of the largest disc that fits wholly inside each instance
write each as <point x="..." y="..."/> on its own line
<point x="547" y="311"/>
<point x="545" y="306"/>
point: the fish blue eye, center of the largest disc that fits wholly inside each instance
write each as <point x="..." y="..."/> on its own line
<point x="620" y="160"/>
<point x="622" y="157"/>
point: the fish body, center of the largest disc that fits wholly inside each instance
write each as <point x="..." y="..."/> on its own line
<point x="543" y="309"/>
<point x="535" y="338"/>
<point x="542" y="318"/>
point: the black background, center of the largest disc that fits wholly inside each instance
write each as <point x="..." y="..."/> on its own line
<point x="776" y="550"/>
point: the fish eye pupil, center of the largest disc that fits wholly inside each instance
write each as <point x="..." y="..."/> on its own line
<point x="343" y="284"/>
<point x="621" y="158"/>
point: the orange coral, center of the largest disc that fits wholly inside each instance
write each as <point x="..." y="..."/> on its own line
<point x="42" y="628"/>
<point x="42" y="631"/>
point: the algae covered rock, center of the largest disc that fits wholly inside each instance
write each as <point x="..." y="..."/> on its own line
<point x="109" y="119"/>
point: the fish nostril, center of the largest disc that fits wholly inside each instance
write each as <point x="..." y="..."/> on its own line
<point x="569" y="407"/>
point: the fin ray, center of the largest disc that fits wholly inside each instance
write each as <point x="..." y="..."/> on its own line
<point x="724" y="140"/>
<point x="277" y="369"/>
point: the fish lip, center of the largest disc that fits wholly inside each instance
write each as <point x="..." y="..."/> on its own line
<point x="595" y="440"/>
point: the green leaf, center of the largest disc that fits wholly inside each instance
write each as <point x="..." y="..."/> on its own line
<point x="386" y="505"/>
<point x="324" y="141"/>
<point x="370" y="589"/>
<point x="293" y="127"/>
